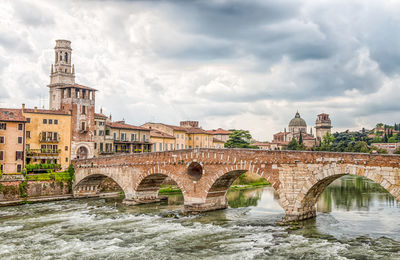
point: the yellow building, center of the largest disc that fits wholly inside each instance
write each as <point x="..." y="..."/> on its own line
<point x="12" y="139"/>
<point x="218" y="143"/>
<point x="161" y="141"/>
<point x="48" y="136"/>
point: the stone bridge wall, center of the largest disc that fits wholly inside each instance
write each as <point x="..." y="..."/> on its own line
<point x="298" y="177"/>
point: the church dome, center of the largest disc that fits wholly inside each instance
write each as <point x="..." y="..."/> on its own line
<point x="297" y="121"/>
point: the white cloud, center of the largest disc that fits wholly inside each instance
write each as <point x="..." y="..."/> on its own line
<point x="227" y="64"/>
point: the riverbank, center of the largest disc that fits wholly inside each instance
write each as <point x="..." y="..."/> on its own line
<point x="55" y="198"/>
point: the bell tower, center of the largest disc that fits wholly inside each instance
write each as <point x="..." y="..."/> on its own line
<point x="322" y="126"/>
<point x="62" y="72"/>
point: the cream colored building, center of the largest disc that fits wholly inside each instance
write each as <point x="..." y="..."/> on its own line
<point x="161" y="141"/>
<point x="128" y="138"/>
<point x="188" y="134"/>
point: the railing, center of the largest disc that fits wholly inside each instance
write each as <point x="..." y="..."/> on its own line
<point x="106" y="152"/>
<point x="42" y="152"/>
<point x="48" y="139"/>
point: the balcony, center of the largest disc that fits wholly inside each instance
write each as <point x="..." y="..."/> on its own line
<point x="49" y="139"/>
<point x="42" y="153"/>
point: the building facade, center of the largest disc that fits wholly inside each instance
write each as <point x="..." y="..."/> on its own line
<point x="12" y="140"/>
<point x="188" y="134"/>
<point x="162" y="141"/>
<point x="48" y="136"/>
<point x="322" y="126"/>
<point x="128" y="138"/>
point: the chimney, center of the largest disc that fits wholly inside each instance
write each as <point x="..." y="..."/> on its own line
<point x="23" y="107"/>
<point x="101" y="110"/>
<point x="35" y="109"/>
<point x="110" y="117"/>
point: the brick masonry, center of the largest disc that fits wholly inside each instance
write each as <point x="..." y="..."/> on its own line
<point x="298" y="177"/>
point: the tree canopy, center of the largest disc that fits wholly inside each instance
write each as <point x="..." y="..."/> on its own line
<point x="239" y="139"/>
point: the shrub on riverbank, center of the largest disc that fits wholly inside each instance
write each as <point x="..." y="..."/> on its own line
<point x="57" y="176"/>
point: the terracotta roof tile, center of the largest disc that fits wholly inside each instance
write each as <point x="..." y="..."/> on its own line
<point x="156" y="133"/>
<point x="100" y="115"/>
<point x="219" y="131"/>
<point x="126" y="126"/>
<point x="11" y="115"/>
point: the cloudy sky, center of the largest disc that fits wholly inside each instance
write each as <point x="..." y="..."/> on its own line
<point x="230" y="64"/>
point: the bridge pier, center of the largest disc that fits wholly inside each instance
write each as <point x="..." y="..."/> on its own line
<point x="211" y="203"/>
<point x="300" y="214"/>
<point x="143" y="197"/>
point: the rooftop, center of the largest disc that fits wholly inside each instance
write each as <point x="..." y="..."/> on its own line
<point x="45" y="111"/>
<point x="219" y="131"/>
<point x="122" y="125"/>
<point x="11" y="115"/>
<point x="75" y="85"/>
<point x="156" y="133"/>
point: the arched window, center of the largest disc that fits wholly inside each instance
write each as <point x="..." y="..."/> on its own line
<point x="66" y="57"/>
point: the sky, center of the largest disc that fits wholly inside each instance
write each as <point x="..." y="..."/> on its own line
<point x="231" y="64"/>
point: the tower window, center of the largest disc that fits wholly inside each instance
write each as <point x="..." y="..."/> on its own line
<point x="60" y="57"/>
<point x="66" y="57"/>
<point x="65" y="70"/>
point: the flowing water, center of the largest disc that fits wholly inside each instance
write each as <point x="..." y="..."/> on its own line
<point x="356" y="220"/>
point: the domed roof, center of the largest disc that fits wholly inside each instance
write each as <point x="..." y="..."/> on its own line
<point x="297" y="121"/>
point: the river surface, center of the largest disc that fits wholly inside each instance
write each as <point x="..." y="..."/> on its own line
<point x="356" y="220"/>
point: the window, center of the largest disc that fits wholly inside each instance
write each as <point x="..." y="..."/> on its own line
<point x="95" y="132"/>
<point x="1" y="167"/>
<point x="28" y="134"/>
<point x="185" y="146"/>
<point x="101" y="146"/>
<point x="19" y="155"/>
<point x="181" y="146"/>
<point x="115" y="136"/>
<point x="83" y="126"/>
<point x="3" y="126"/>
<point x="166" y="147"/>
<point x="27" y="146"/>
<point x="66" y="159"/>
<point x="190" y="138"/>
<point x="144" y="138"/>
<point x="107" y="131"/>
<point x="66" y="148"/>
<point x="190" y="147"/>
<point x="28" y="119"/>
<point x="44" y="121"/>
<point x="172" y="147"/>
<point x="95" y="146"/>
<point x="197" y="138"/>
<point x="2" y="140"/>
<point x="83" y="110"/>
<point x="101" y="132"/>
<point x="50" y="121"/>
<point x="1" y="156"/>
<point x="19" y="167"/>
<point x="66" y="57"/>
<point x="55" y="136"/>
<point x="160" y="146"/>
<point x="95" y="122"/>
<point x="55" y="121"/>
<point x="133" y="137"/>
<point x="19" y="139"/>
<point x="177" y="146"/>
<point x="123" y="137"/>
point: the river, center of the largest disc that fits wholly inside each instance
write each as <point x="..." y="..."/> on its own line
<point x="356" y="220"/>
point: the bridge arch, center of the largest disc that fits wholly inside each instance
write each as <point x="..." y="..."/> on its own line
<point x="149" y="183"/>
<point x="305" y="202"/>
<point x="90" y="185"/>
<point x="219" y="184"/>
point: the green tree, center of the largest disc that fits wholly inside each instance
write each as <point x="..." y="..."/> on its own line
<point x="327" y="142"/>
<point x="239" y="139"/>
<point x="293" y="144"/>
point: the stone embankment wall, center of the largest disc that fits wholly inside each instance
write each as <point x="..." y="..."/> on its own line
<point x="10" y="190"/>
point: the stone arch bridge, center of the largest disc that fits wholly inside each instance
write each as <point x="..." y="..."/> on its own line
<point x="204" y="175"/>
